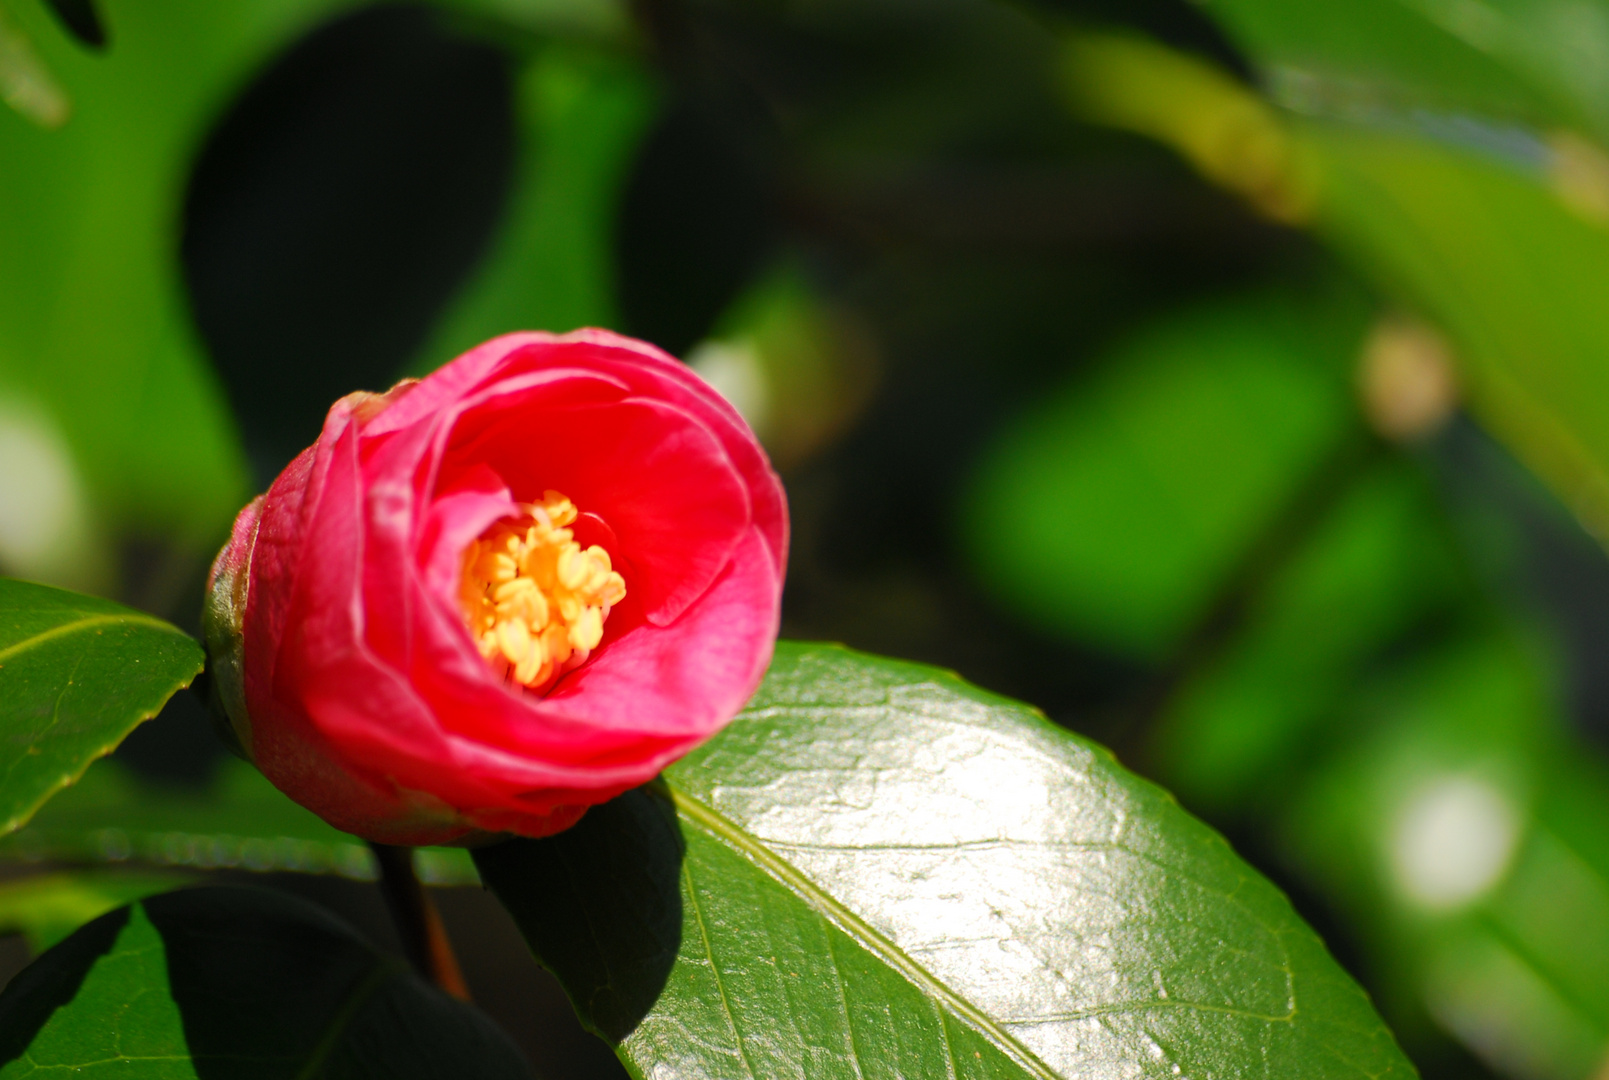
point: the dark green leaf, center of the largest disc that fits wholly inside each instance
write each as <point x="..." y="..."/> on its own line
<point x="237" y="984"/>
<point x="80" y="17"/>
<point x="239" y="821"/>
<point x="77" y="674"/>
<point x="881" y="871"/>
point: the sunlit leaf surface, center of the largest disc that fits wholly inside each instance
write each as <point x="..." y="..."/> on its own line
<point x="878" y="870"/>
<point x="77" y="674"/>
<point x="238" y="983"/>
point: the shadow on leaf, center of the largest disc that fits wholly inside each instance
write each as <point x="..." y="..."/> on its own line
<point x="33" y="997"/>
<point x="600" y="904"/>
<point x="244" y="984"/>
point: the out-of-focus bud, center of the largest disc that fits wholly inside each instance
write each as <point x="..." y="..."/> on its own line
<point x="797" y="367"/>
<point x="26" y="84"/>
<point x="46" y="525"/>
<point x="1579" y="173"/>
<point x="1407" y="378"/>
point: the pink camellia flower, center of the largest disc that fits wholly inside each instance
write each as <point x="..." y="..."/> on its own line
<point x="487" y="600"/>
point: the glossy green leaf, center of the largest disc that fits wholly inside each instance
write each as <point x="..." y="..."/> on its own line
<point x="1114" y="511"/>
<point x="236" y="983"/>
<point x="582" y="112"/>
<point x="877" y="870"/>
<point x="1465" y="835"/>
<point x="238" y="821"/>
<point x="45" y="908"/>
<point x="77" y="674"/>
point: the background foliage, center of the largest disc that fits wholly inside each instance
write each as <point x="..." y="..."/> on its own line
<point x="1226" y="379"/>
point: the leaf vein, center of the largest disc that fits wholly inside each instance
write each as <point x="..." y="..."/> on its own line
<point x="723" y="829"/>
<point x="88" y="622"/>
<point x="843" y="1002"/>
<point x="715" y="969"/>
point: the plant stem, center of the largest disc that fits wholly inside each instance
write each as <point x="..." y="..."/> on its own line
<point x="424" y="938"/>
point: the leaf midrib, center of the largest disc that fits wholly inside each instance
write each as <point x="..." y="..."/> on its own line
<point x="751" y="847"/>
<point x="86" y="623"/>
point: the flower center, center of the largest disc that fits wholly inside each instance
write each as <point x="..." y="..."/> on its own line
<point x="533" y="599"/>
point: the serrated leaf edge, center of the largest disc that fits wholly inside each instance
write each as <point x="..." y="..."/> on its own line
<point x="129" y="618"/>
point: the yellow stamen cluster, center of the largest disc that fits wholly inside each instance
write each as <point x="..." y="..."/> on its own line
<point x="534" y="600"/>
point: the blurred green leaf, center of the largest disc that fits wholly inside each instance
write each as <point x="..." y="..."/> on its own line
<point x="1229" y="134"/>
<point x="47" y="907"/>
<point x="597" y="21"/>
<point x="1115" y="511"/>
<point x="877" y="869"/>
<point x="238" y="821"/>
<point x="93" y="322"/>
<point x="1492" y="253"/>
<point x="1466" y="836"/>
<point x="1540" y="62"/>
<point x="50" y="530"/>
<point x="582" y="112"/>
<point x="77" y="674"/>
<point x="1498" y="233"/>
<point x="1379" y="563"/>
<point x="240" y="983"/>
<point x="92" y="312"/>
